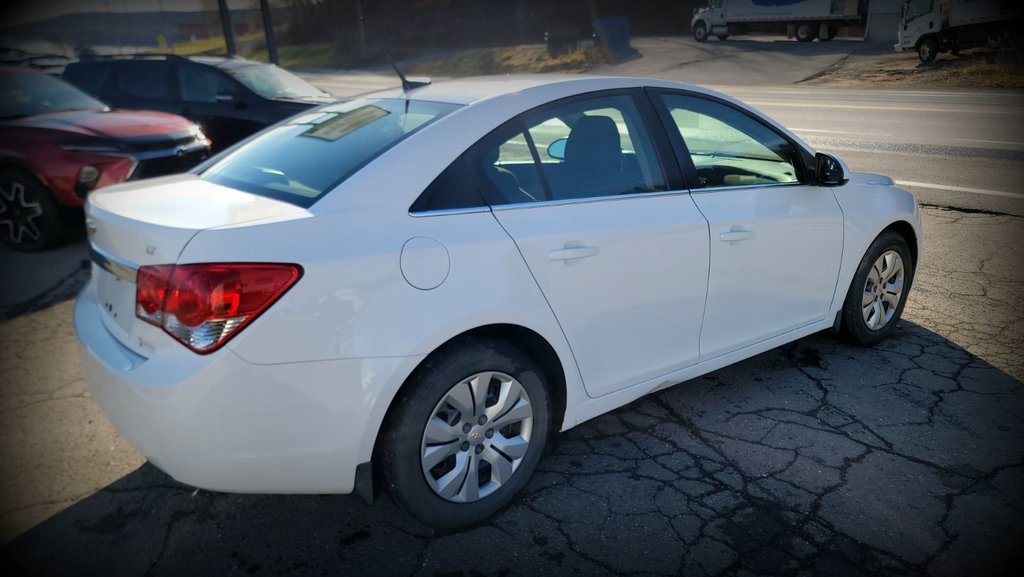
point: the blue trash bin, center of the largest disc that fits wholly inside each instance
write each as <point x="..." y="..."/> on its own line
<point x="612" y="34"/>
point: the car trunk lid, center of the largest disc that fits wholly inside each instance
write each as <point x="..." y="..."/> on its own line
<point x="150" y="223"/>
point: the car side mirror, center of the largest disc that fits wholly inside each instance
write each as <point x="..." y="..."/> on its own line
<point x="830" y="170"/>
<point x="556" y="149"/>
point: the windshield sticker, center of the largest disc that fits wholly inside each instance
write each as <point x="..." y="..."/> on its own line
<point x="344" y="123"/>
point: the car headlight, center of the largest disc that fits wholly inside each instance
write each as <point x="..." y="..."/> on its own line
<point x="198" y="135"/>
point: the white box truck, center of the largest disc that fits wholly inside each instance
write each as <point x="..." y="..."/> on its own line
<point x="934" y="26"/>
<point x="804" y="20"/>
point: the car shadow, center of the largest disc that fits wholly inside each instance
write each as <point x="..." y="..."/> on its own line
<point x="901" y="458"/>
<point x="793" y="47"/>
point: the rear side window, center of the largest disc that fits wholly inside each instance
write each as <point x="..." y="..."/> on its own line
<point x="301" y="160"/>
<point x="591" y="147"/>
<point x="146" y="80"/>
<point x="86" y="77"/>
<point x="454" y="189"/>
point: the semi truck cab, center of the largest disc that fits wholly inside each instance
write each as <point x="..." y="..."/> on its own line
<point x="712" y="18"/>
<point x="934" y="26"/>
<point x="917" y="18"/>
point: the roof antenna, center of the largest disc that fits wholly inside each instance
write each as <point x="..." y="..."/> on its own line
<point x="408" y="85"/>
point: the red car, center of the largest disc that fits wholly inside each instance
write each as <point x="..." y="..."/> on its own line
<point x="57" y="144"/>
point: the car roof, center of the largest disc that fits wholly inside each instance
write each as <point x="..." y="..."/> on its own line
<point x="467" y="91"/>
<point x="13" y="70"/>
<point x="207" y="60"/>
<point x="224" y="61"/>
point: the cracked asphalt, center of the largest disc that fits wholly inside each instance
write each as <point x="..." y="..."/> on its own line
<point x="815" y="458"/>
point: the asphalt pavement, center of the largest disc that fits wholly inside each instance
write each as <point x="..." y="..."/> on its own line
<point x="816" y="458"/>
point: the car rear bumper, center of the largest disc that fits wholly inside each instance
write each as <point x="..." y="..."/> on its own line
<point x="221" y="423"/>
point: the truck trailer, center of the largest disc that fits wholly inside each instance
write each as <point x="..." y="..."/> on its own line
<point x="804" y="20"/>
<point x="934" y="26"/>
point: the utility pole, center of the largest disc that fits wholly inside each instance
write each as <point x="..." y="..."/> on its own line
<point x="225" y="22"/>
<point x="268" y="30"/>
<point x="362" y="28"/>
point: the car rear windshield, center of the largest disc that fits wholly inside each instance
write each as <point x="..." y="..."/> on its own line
<point x="303" y="158"/>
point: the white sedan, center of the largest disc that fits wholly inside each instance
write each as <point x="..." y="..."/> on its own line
<point x="416" y="289"/>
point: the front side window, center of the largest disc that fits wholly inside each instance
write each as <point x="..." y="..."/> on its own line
<point x="729" y="148"/>
<point x="917" y="8"/>
<point x="589" y="148"/>
<point x="202" y="84"/>
<point x="269" y="81"/>
<point x="301" y="160"/>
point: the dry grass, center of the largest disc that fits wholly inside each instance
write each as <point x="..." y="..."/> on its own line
<point x="212" y="45"/>
<point x="976" y="69"/>
<point x="251" y="45"/>
<point x="314" y="55"/>
<point x="470" y="62"/>
<point x="482" y="61"/>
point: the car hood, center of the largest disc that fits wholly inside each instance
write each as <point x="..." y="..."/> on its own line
<point x="870" y="178"/>
<point x="110" y="124"/>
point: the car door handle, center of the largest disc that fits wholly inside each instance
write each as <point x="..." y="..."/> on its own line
<point x="735" y="235"/>
<point x="572" y="252"/>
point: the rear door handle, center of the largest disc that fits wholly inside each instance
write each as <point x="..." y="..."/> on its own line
<point x="735" y="235"/>
<point x="569" y="253"/>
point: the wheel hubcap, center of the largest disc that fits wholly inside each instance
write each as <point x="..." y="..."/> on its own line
<point x="476" y="437"/>
<point x="19" y="215"/>
<point x="883" y="290"/>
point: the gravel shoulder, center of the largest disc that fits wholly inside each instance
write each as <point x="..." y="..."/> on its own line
<point x="978" y="69"/>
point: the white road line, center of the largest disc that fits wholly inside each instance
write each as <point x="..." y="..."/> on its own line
<point x="992" y="141"/>
<point x="845" y="133"/>
<point x="840" y="132"/>
<point x="881" y="107"/>
<point x="960" y="189"/>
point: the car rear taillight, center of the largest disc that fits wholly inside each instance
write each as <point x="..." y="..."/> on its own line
<point x="204" y="305"/>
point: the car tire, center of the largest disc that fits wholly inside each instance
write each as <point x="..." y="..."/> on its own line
<point x="927" y="49"/>
<point x="426" y="415"/>
<point x="700" y="32"/>
<point x="30" y="219"/>
<point x="878" y="293"/>
<point x="805" y="31"/>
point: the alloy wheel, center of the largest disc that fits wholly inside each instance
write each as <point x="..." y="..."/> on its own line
<point x="20" y="216"/>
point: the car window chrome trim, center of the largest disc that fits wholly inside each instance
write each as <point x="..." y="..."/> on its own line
<point x="119" y="267"/>
<point x="449" y="211"/>
<point x="745" y="186"/>
<point x="590" y="199"/>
